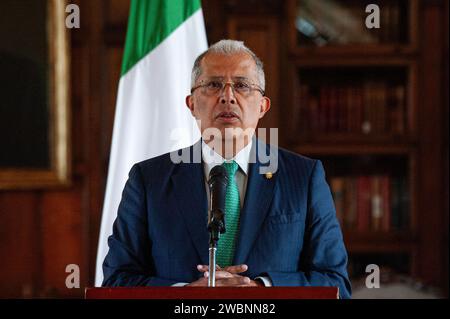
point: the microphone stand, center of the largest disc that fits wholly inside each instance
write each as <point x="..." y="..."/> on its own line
<point x="216" y="226"/>
<point x="218" y="181"/>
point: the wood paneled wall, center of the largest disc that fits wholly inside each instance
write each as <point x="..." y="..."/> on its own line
<point x="42" y="231"/>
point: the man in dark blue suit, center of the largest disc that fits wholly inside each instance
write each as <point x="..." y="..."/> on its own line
<point x="280" y="217"/>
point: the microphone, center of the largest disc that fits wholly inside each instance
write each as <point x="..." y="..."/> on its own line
<point x="218" y="181"/>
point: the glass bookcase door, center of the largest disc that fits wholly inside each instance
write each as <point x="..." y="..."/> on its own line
<point x="337" y="23"/>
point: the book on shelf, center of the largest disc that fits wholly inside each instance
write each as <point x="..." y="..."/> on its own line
<point x="400" y="204"/>
<point x="385" y="190"/>
<point x="349" y="205"/>
<point x="395" y="107"/>
<point x="394" y="23"/>
<point x="363" y="201"/>
<point x="342" y="111"/>
<point x="385" y="26"/>
<point x="390" y="23"/>
<point x="337" y="185"/>
<point x="377" y="203"/>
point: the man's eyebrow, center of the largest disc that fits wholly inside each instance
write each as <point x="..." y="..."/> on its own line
<point x="217" y="77"/>
<point x="244" y="78"/>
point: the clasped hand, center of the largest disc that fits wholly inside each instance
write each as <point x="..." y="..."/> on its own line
<point x="226" y="277"/>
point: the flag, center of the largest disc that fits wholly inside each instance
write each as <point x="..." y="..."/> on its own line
<point x="163" y="39"/>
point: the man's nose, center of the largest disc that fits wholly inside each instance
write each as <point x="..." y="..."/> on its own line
<point x="227" y="94"/>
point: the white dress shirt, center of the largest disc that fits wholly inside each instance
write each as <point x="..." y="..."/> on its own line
<point x="211" y="159"/>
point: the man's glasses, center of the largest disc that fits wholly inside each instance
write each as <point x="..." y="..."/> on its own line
<point x="215" y="87"/>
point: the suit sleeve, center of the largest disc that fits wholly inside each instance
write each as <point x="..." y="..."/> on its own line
<point x="129" y="259"/>
<point x="323" y="261"/>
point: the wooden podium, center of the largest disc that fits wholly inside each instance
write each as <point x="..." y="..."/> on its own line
<point x="213" y="293"/>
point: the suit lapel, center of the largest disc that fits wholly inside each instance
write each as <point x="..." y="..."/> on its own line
<point x="190" y="200"/>
<point x="258" y="197"/>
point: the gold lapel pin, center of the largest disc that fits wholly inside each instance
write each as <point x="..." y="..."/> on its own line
<point x="269" y="175"/>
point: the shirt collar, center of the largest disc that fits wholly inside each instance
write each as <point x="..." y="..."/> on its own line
<point x="211" y="158"/>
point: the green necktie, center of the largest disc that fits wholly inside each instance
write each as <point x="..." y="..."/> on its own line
<point x="227" y="241"/>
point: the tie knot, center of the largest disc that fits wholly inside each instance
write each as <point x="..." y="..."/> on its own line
<point x="231" y="168"/>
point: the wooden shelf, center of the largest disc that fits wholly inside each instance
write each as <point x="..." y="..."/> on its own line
<point x="380" y="242"/>
<point x="356" y="51"/>
<point x="354" y="149"/>
<point x="356" y="60"/>
<point x="352" y="138"/>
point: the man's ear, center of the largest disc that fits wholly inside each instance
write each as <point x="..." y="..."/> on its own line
<point x="264" y="106"/>
<point x="190" y="103"/>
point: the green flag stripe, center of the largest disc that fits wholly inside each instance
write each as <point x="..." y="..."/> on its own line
<point x="150" y="22"/>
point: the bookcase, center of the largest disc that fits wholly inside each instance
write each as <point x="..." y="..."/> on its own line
<point x="353" y="104"/>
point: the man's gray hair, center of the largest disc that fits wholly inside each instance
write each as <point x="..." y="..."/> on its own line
<point x="228" y="47"/>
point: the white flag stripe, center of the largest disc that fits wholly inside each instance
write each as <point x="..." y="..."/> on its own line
<point x="150" y="106"/>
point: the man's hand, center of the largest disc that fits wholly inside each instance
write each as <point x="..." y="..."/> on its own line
<point x="226" y="277"/>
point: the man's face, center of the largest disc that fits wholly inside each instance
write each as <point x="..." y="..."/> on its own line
<point x="227" y="108"/>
